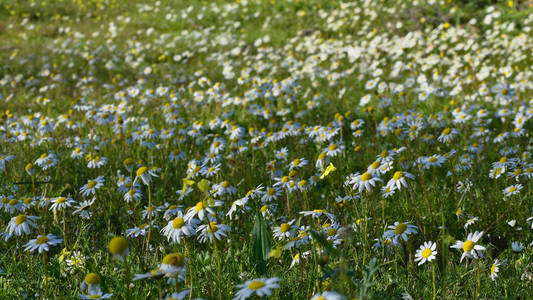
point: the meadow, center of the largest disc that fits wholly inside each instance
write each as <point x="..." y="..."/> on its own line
<point x="249" y="149"/>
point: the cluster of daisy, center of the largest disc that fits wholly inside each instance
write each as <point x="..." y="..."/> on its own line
<point x="172" y="158"/>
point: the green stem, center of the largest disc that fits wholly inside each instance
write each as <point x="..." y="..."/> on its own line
<point x="434" y="283"/>
<point x="128" y="278"/>
<point x="149" y="223"/>
<point x="219" y="267"/>
<point x="64" y="229"/>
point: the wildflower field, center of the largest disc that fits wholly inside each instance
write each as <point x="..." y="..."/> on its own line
<point x="254" y="149"/>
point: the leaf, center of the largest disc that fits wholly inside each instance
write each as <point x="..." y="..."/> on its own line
<point x="186" y="182"/>
<point x="203" y="185"/>
<point x="276" y="252"/>
<point x="261" y="245"/>
<point x="329" y="169"/>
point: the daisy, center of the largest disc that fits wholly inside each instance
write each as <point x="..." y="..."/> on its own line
<point x="178" y="296"/>
<point x="132" y="194"/>
<point x="202" y="210"/>
<point x="172" y="211"/>
<point x="137" y="231"/>
<point x="260" y="287"/>
<point x="399" y="230"/>
<point x="92" y="185"/>
<point x="145" y="175"/>
<point x="21" y="224"/>
<point x="328" y="295"/>
<point x="271" y="194"/>
<point x="178" y="228"/>
<point x="470" y="247"/>
<point x="363" y="181"/>
<point x="471" y="221"/>
<point x="285" y="230"/>
<point x="494" y="269"/>
<point x="239" y="205"/>
<point x="81" y="209"/>
<point x="60" y="203"/>
<point x="512" y="190"/>
<point x="447" y="135"/>
<point x="213" y="229"/>
<point x="317" y="213"/>
<point x="322" y="161"/>
<point x="333" y="149"/>
<point x="298" y="163"/>
<point x="91" y="283"/>
<point x="77" y="153"/>
<point x="118" y="247"/>
<point x="97" y="162"/>
<point x="427" y="252"/>
<point x="42" y="243"/>
<point x="173" y="264"/>
<point x="517" y="247"/>
<point x="398" y="180"/>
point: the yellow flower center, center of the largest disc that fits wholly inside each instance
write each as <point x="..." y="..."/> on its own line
<point x="375" y="165"/>
<point x="400" y="228"/>
<point x="432" y="159"/>
<point x="493" y="269"/>
<point x="264" y="208"/>
<point x="20" y="219"/>
<point x="13" y="202"/>
<point x="446" y="131"/>
<point x="366" y="176"/>
<point x="426" y="253"/>
<point x="255" y="285"/>
<point x="61" y="200"/>
<point x="141" y="171"/>
<point x="468" y="246"/>
<point x="92" y="278"/>
<point x="225" y="184"/>
<point x="332" y="147"/>
<point x="174" y="259"/>
<point x="91" y="184"/>
<point x="285" y="179"/>
<point x="199" y="206"/>
<point x="322" y="156"/>
<point x="512" y="189"/>
<point x="398" y="175"/>
<point x="118" y="245"/>
<point x="178" y="223"/>
<point x="332" y="232"/>
<point x="41" y="239"/>
<point x="212" y="227"/>
<point x="284" y="227"/>
<point x="503" y="160"/>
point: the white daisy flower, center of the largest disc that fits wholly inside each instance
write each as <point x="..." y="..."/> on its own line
<point x="178" y="227"/>
<point x="92" y="185"/>
<point x="399" y="230"/>
<point x="42" y="243"/>
<point x="427" y="252"/>
<point x="260" y="287"/>
<point x="470" y="247"/>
